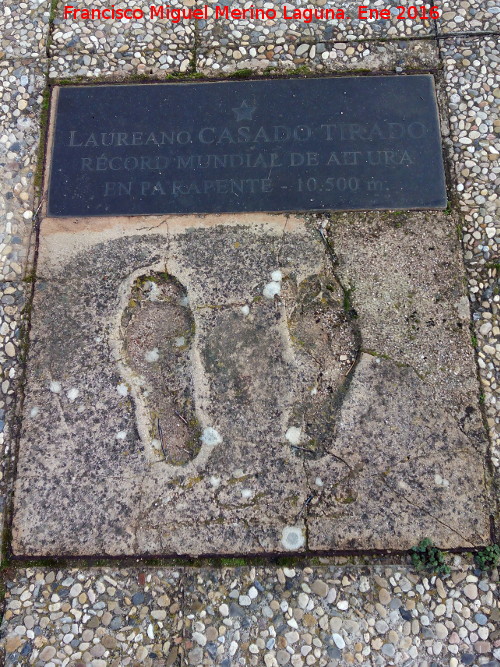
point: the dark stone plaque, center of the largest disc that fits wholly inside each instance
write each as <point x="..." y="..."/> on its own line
<point x="344" y="143"/>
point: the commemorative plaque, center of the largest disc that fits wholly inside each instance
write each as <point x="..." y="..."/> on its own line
<point x="343" y="143"/>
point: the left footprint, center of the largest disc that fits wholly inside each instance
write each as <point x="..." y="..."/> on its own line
<point x="157" y="326"/>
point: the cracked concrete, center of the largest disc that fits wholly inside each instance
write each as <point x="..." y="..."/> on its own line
<point x="249" y="384"/>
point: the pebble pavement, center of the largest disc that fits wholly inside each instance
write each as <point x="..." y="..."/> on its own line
<point x="323" y="615"/>
<point x="120" y="48"/>
<point x="473" y="90"/>
<point x="469" y="16"/>
<point x="331" y="614"/>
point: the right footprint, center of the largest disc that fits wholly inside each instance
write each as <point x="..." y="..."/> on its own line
<point x="326" y="341"/>
<point x="158" y="329"/>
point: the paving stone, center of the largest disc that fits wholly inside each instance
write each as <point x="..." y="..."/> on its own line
<point x="120" y="48"/>
<point x="470" y="67"/>
<point x="21" y="89"/>
<point x="280" y="35"/>
<point x="469" y="16"/>
<point x="62" y="629"/>
<point x="24" y="29"/>
<point x="232" y="481"/>
<point x="213" y="58"/>
<point x="474" y="111"/>
<point x="11" y="321"/>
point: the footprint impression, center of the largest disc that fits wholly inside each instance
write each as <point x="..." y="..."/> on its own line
<point x="326" y="341"/>
<point x="305" y="358"/>
<point x="157" y="329"/>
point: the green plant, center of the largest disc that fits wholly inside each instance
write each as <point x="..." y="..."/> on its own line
<point x="241" y="73"/>
<point x="347" y="303"/>
<point x="488" y="558"/>
<point x="425" y="556"/>
<point x="233" y="562"/>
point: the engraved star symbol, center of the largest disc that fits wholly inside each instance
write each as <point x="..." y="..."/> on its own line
<point x="244" y="112"/>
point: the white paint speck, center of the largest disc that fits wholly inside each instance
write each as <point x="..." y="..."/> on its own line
<point x="121" y="435"/>
<point x="55" y="387"/>
<point x="276" y="276"/>
<point x="152" y="356"/>
<point x="318" y="481"/>
<point x="72" y="394"/>
<point x="245" y="310"/>
<point x="211" y="437"/>
<point x="246" y="493"/>
<point x="293" y="435"/>
<point x="271" y="290"/>
<point x="215" y="481"/>
<point x="180" y="342"/>
<point x="34" y="411"/>
<point x="122" y="389"/>
<point x="292" y="538"/>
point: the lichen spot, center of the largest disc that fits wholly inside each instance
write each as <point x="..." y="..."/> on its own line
<point x="152" y="356"/>
<point x="245" y="310"/>
<point x="122" y="389"/>
<point x="55" y="387"/>
<point x="271" y="289"/>
<point x="215" y="481"/>
<point x="72" y="394"/>
<point x="210" y="437"/>
<point x="154" y="291"/>
<point x="440" y="481"/>
<point x="34" y="412"/>
<point x="121" y="435"/>
<point x="246" y="493"/>
<point x="292" y="538"/>
<point x="180" y="341"/>
<point x="293" y="435"/>
<point x="318" y="481"/>
<point x="276" y="276"/>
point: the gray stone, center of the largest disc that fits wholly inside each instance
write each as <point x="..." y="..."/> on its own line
<point x="388" y="650"/>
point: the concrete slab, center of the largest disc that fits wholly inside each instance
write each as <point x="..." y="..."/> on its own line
<point x="249" y="384"/>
